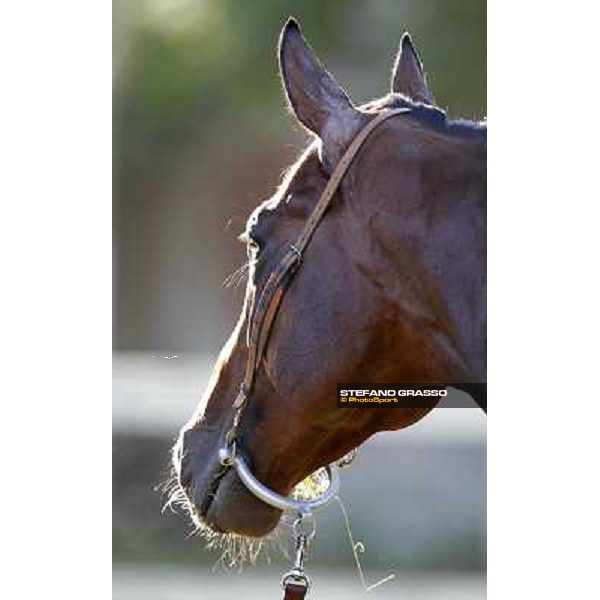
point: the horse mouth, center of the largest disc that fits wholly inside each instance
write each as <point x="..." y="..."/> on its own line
<point x="202" y="509"/>
<point x="226" y="506"/>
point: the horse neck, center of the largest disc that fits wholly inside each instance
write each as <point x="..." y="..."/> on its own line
<point x="432" y="244"/>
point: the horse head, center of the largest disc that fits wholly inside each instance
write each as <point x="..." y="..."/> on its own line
<point x="391" y="288"/>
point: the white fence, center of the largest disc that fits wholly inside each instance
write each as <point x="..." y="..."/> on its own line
<point x="157" y="393"/>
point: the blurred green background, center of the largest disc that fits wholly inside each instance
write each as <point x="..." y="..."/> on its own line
<point x="201" y="135"/>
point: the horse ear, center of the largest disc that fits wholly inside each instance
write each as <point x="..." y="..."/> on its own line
<point x="408" y="77"/>
<point x="316" y="99"/>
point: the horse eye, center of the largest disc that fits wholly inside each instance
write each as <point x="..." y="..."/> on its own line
<point x="245" y="239"/>
<point x="252" y="247"/>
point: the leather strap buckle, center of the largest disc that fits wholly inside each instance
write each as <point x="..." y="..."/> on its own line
<point x="296" y="251"/>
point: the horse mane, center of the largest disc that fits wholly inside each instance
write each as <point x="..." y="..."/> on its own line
<point x="429" y="115"/>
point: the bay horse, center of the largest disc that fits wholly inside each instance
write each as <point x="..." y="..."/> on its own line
<point x="391" y="288"/>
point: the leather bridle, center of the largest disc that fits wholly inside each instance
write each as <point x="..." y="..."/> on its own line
<point x="259" y="327"/>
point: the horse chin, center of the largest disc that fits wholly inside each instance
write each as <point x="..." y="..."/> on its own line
<point x="234" y="509"/>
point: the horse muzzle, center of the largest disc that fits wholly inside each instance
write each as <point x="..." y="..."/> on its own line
<point x="217" y="497"/>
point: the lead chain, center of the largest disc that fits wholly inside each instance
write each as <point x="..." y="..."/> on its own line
<point x="304" y="531"/>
